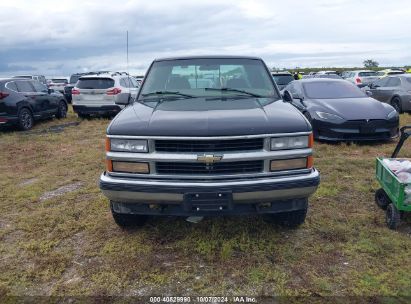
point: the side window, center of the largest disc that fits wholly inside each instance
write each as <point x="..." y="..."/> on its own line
<point x="123" y="83"/>
<point x="393" y="82"/>
<point x="11" y="86"/>
<point x="39" y="87"/>
<point x="24" y="86"/>
<point x="382" y="82"/>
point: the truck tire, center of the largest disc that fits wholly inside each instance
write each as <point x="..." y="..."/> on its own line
<point x="381" y="199"/>
<point x="291" y="219"/>
<point x="392" y="217"/>
<point x="128" y="220"/>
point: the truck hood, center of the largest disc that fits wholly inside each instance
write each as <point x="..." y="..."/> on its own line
<point x="208" y="117"/>
<point x="353" y="108"/>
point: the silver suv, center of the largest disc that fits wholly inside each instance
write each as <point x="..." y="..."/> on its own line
<point x="97" y="94"/>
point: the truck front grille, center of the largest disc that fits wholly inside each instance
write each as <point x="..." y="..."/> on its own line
<point x="223" y="168"/>
<point x="230" y="145"/>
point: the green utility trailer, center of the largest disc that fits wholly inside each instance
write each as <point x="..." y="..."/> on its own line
<point x="394" y="196"/>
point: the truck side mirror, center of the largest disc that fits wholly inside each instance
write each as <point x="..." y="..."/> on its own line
<point x="123" y="99"/>
<point x="286" y="96"/>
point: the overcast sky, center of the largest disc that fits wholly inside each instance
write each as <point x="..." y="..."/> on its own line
<point x="61" y="37"/>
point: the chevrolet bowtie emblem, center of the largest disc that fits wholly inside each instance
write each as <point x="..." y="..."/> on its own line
<point x="209" y="159"/>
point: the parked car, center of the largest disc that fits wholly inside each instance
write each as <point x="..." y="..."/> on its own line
<point x="22" y="101"/>
<point x="139" y="79"/>
<point x="308" y="76"/>
<point x="231" y="148"/>
<point x="345" y="74"/>
<point x="326" y="73"/>
<point x="282" y="79"/>
<point x="394" y="90"/>
<point x="39" y="78"/>
<point x="58" y="84"/>
<point x="387" y="72"/>
<point x="362" y="78"/>
<point x="331" y="76"/>
<point x="71" y="83"/>
<point x="97" y="94"/>
<point x="340" y="111"/>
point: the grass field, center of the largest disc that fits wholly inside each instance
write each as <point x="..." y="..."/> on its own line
<point x="66" y="243"/>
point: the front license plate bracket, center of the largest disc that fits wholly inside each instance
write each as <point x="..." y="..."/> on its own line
<point x="208" y="201"/>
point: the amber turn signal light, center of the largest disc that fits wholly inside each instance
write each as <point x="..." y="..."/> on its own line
<point x="109" y="165"/>
<point x="108" y="146"/>
<point x="310" y="140"/>
<point x="288" y="164"/>
<point x="310" y="162"/>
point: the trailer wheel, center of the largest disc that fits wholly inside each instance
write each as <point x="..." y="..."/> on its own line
<point x="381" y="199"/>
<point x="392" y="217"/>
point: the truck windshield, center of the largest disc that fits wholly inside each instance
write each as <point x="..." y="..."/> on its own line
<point x="209" y="77"/>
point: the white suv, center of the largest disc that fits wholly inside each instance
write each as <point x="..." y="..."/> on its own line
<point x="97" y="94"/>
<point x="362" y="78"/>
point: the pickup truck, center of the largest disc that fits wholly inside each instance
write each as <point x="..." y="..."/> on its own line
<point x="208" y="136"/>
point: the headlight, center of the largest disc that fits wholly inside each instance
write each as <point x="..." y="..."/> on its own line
<point x="392" y="114"/>
<point x="128" y="145"/>
<point x="295" y="142"/>
<point x="328" y="116"/>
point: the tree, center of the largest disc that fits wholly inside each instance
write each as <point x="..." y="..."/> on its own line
<point x="370" y="63"/>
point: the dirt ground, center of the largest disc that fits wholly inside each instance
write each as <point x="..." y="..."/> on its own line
<point x="57" y="236"/>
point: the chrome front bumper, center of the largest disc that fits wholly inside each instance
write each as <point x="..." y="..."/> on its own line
<point x="257" y="190"/>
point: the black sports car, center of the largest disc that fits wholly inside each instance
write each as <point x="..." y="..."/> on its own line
<point x="339" y="111"/>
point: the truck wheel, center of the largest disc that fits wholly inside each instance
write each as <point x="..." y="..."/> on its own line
<point x="381" y="199"/>
<point x="26" y="119"/>
<point x="392" y="217"/>
<point x="291" y="219"/>
<point x="62" y="110"/>
<point x="128" y="220"/>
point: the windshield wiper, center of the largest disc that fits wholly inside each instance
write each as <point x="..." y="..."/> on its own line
<point x="167" y="93"/>
<point x="233" y="90"/>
